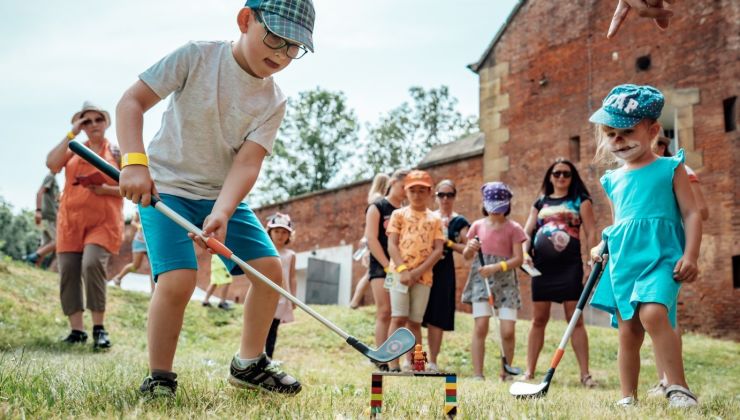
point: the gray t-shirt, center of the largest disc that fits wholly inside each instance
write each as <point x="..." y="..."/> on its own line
<point x="50" y="198"/>
<point x="216" y="106"/>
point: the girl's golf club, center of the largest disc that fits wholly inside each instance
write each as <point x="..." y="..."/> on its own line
<point x="399" y="343"/>
<point x="526" y="390"/>
<point x="508" y="369"/>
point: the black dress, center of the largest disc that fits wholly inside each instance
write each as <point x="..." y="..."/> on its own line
<point x="440" y="310"/>
<point x="556" y="250"/>
<point x="385" y="208"/>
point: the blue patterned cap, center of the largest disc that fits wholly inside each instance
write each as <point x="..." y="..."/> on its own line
<point x="289" y="19"/>
<point x="496" y="197"/>
<point x="627" y="105"/>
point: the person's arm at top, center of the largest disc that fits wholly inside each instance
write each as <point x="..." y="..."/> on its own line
<point x="238" y="183"/>
<point x="653" y="9"/>
<point x="372" y="218"/>
<point x="686" y="269"/>
<point x="135" y="182"/>
<point x="529" y="228"/>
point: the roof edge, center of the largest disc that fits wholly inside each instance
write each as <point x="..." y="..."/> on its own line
<point x="475" y="67"/>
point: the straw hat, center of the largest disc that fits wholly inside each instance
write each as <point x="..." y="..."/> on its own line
<point x="89" y="106"/>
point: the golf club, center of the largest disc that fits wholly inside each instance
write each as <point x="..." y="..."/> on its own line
<point x="399" y="343"/>
<point x="526" y="390"/>
<point x="508" y="369"/>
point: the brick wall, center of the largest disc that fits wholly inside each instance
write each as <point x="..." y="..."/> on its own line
<point x="337" y="217"/>
<point x="550" y="70"/>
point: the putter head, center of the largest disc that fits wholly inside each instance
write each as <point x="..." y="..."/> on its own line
<point x="399" y="343"/>
<point x="526" y="390"/>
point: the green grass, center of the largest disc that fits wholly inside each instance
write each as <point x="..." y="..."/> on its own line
<point x="40" y="378"/>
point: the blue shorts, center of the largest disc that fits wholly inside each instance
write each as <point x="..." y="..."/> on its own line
<point x="170" y="248"/>
<point x="138" y="246"/>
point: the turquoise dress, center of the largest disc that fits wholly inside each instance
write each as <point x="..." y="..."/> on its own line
<point x="645" y="242"/>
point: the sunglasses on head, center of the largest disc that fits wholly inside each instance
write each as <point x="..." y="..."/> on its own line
<point x="98" y="120"/>
<point x="561" y="174"/>
<point x="445" y="195"/>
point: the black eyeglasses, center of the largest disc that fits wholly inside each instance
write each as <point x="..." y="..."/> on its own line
<point x="274" y="42"/>
<point x="561" y="174"/>
<point x="98" y="120"/>
<point x="445" y="195"/>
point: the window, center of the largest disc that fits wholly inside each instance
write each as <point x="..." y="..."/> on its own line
<point x="574" y="148"/>
<point x="728" y="106"/>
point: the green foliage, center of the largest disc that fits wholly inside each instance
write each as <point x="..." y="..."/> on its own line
<point x="405" y="135"/>
<point x="40" y="378"/>
<point x="18" y="233"/>
<point x="315" y="141"/>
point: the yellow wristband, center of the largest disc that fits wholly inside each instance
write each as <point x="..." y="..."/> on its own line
<point x="71" y="135"/>
<point x="386" y="269"/>
<point x="449" y="243"/>
<point x="504" y="266"/>
<point x="134" y="159"/>
<point x="401" y="268"/>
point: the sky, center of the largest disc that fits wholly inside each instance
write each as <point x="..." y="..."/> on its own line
<point x="57" y="54"/>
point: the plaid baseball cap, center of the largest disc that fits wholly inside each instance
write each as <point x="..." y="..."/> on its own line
<point x="289" y="19"/>
<point x="417" y="177"/>
<point x="496" y="197"/>
<point x="627" y="105"/>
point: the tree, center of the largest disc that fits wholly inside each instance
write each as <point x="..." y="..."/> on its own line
<point x="317" y="137"/>
<point x="405" y="135"/>
<point x="18" y="235"/>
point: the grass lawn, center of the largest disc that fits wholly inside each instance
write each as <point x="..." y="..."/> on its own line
<point x="40" y="378"/>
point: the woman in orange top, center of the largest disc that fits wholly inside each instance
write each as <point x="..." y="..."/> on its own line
<point x="89" y="224"/>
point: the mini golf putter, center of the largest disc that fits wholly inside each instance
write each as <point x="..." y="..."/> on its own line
<point x="527" y="390"/>
<point x="397" y="344"/>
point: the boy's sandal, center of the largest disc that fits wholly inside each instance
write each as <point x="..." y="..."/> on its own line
<point x="680" y="397"/>
<point x="588" y="381"/>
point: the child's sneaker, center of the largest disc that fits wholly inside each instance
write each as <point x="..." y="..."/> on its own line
<point x="680" y="397"/>
<point x="432" y="367"/>
<point x="206" y="304"/>
<point x="226" y="306"/>
<point x="626" y="402"/>
<point x="263" y="375"/>
<point x="658" y="391"/>
<point x="159" y="386"/>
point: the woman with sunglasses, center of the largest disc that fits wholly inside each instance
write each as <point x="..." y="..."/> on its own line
<point x="440" y="313"/>
<point x="555" y="222"/>
<point x="89" y="224"/>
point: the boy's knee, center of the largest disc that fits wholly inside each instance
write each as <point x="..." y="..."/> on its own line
<point x="540" y="321"/>
<point x="269" y="267"/>
<point x="481" y="329"/>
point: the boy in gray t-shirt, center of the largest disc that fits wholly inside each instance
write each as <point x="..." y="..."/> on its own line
<point x="221" y="122"/>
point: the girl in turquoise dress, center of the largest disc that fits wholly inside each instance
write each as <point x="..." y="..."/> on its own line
<point x="654" y="241"/>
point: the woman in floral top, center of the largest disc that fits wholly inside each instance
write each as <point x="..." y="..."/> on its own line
<point x="554" y="223"/>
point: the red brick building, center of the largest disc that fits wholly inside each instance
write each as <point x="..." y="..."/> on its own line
<point x="550" y="66"/>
